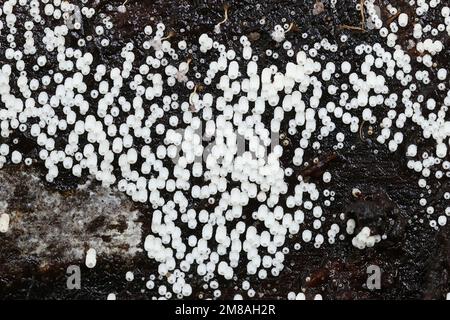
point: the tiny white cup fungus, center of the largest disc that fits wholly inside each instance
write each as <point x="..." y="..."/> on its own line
<point x="111" y="296"/>
<point x="403" y="20"/>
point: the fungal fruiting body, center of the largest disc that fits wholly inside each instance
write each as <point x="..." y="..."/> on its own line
<point x="111" y="296"/>
<point x="91" y="258"/>
<point x="364" y="239"/>
<point x="141" y="124"/>
<point x="129" y="276"/>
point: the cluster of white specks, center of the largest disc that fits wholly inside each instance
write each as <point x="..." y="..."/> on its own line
<point x="364" y="240"/>
<point x="279" y="33"/>
<point x="115" y="130"/>
<point x="111" y="296"/>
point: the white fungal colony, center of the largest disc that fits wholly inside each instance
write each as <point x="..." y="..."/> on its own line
<point x="301" y="296"/>
<point x="364" y="240"/>
<point x="129" y="276"/>
<point x="4" y="222"/>
<point x="105" y="120"/>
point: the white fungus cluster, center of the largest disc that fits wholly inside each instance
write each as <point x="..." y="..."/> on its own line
<point x="111" y="124"/>
<point x="4" y="222"/>
<point x="278" y="34"/>
<point x="91" y="258"/>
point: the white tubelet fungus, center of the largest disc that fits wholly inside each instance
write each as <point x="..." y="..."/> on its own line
<point x="111" y="296"/>
<point x="91" y="258"/>
<point x="132" y="126"/>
